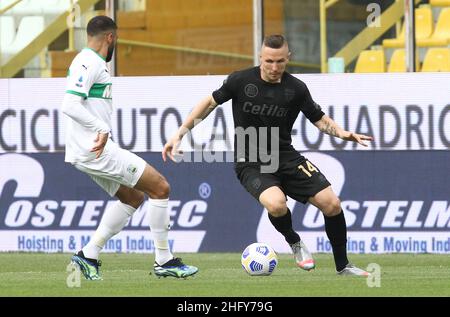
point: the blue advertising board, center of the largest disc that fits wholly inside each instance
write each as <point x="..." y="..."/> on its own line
<point x="394" y="201"/>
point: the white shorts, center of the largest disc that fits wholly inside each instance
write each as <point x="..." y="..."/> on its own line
<point x="113" y="168"/>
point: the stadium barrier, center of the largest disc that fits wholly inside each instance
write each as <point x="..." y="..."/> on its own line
<point x="395" y="193"/>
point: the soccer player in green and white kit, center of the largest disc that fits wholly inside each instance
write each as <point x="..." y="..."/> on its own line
<point x="264" y="97"/>
<point x="89" y="148"/>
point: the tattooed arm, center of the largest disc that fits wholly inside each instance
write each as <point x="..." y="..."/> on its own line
<point x="328" y="126"/>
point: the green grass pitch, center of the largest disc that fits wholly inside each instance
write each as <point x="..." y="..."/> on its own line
<point x="221" y="275"/>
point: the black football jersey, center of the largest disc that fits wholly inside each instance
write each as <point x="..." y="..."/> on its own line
<point x="268" y="109"/>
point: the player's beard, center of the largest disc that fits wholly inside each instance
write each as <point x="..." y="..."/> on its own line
<point x="110" y="52"/>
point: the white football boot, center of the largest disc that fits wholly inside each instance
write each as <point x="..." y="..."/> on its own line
<point x="302" y="256"/>
<point x="350" y="269"/>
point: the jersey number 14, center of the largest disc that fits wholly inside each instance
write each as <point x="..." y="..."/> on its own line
<point x="309" y="168"/>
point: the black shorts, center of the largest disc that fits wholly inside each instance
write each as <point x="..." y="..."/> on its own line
<point x="298" y="179"/>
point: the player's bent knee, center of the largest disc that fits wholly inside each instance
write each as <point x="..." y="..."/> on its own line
<point x="130" y="196"/>
<point x="161" y="190"/>
<point x="276" y="208"/>
<point x="333" y="208"/>
<point x="165" y="189"/>
<point x="133" y="198"/>
<point x="137" y="199"/>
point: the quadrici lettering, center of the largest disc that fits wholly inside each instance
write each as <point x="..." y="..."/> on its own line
<point x="408" y="127"/>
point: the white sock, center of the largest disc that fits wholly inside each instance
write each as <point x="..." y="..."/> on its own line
<point x="113" y="221"/>
<point x="159" y="226"/>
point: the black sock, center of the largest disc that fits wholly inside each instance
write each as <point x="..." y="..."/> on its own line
<point x="336" y="230"/>
<point x="81" y="254"/>
<point x="283" y="225"/>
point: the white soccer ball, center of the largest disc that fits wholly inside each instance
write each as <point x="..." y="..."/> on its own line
<point x="259" y="259"/>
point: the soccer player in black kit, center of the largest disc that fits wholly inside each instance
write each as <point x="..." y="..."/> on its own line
<point x="268" y="99"/>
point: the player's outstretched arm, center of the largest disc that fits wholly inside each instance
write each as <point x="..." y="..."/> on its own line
<point x="200" y="112"/>
<point x="328" y="126"/>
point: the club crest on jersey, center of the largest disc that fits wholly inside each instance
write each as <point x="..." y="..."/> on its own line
<point x="131" y="169"/>
<point x="79" y="83"/>
<point x="256" y="183"/>
<point x="289" y="94"/>
<point x="251" y="90"/>
<point x="317" y="106"/>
